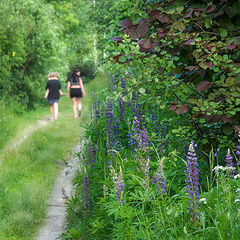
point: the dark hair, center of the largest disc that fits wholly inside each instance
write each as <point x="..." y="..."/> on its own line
<point x="74" y="77"/>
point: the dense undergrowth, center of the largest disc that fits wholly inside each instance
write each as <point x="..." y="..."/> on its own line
<point x="138" y="182"/>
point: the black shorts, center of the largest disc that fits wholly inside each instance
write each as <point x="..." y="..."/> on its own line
<point x="75" y="92"/>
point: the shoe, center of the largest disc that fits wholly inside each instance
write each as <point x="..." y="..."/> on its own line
<point x="80" y="113"/>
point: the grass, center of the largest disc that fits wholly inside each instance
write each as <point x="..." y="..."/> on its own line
<point x="28" y="172"/>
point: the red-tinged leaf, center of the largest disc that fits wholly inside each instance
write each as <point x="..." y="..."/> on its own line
<point x="145" y="43"/>
<point x="132" y="32"/>
<point x="226" y="120"/>
<point x="196" y="68"/>
<point x="173" y="106"/>
<point x="204" y="85"/>
<point x="210" y="9"/>
<point x="162" y="17"/>
<point x="196" y="13"/>
<point x="182" y="109"/>
<point x="142" y="29"/>
<point x="117" y="39"/>
<point x="231" y="46"/>
<point x="189" y="13"/>
<point x="161" y="32"/>
<point x="190" y="68"/>
<point x="217" y="118"/>
<point x="126" y="23"/>
<point x="221" y="12"/>
<point x="190" y="41"/>
<point x="208" y="117"/>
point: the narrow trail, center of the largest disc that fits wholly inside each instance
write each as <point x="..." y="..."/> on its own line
<point x="40" y="123"/>
<point x="55" y="219"/>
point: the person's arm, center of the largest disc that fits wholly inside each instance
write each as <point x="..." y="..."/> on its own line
<point x="68" y="88"/>
<point x="60" y="91"/>
<point x="82" y="87"/>
<point x="46" y="94"/>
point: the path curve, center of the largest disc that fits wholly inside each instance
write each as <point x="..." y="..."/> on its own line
<point x="55" y="219"/>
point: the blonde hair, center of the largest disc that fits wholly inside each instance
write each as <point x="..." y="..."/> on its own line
<point x="53" y="75"/>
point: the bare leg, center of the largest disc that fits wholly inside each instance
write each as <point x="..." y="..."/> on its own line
<point x="79" y="104"/>
<point x="55" y="105"/>
<point x="74" y="100"/>
<point x="52" y="111"/>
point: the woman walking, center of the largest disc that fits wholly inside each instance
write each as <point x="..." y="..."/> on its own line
<point x="53" y="93"/>
<point x="76" y="89"/>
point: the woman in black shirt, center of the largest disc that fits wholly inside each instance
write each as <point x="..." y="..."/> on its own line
<point x="53" y="93"/>
<point x="76" y="92"/>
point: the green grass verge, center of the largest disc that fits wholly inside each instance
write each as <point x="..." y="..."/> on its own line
<point x="27" y="173"/>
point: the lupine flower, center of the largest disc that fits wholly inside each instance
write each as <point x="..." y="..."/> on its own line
<point x="138" y="137"/>
<point x="98" y="109"/>
<point x="229" y="163"/>
<point x="192" y="184"/>
<point x="112" y="128"/>
<point x="158" y="179"/>
<point x="86" y="192"/>
<point x="120" y="188"/>
<point x="91" y="154"/>
<point x="238" y="152"/>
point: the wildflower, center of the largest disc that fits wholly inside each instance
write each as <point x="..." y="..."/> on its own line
<point x="138" y="137"/>
<point x="86" y="191"/>
<point x="229" y="164"/>
<point x="224" y="169"/>
<point x="120" y="188"/>
<point x="112" y="127"/>
<point x="238" y="153"/>
<point x="237" y="176"/>
<point x="203" y="200"/>
<point x="91" y="154"/>
<point x="192" y="184"/>
<point x="158" y="179"/>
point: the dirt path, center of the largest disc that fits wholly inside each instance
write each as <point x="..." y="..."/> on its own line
<point x="40" y="123"/>
<point x="54" y="222"/>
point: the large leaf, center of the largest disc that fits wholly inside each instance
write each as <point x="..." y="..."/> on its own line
<point x="161" y="17"/>
<point x="203" y="85"/>
<point x="126" y="23"/>
<point x="132" y="32"/>
<point x="182" y="109"/>
<point x="145" y="43"/>
<point x="179" y="25"/>
<point x="142" y="29"/>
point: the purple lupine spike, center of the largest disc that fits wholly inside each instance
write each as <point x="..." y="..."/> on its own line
<point x="120" y="188"/>
<point x="229" y="164"/>
<point x="91" y="154"/>
<point x="98" y="109"/>
<point x="112" y="128"/>
<point x="238" y="153"/>
<point x="158" y="179"/>
<point x="138" y="138"/>
<point x="192" y="184"/>
<point x="86" y="192"/>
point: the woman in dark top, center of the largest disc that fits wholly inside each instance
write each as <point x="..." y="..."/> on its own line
<point x="53" y="93"/>
<point x="76" y="89"/>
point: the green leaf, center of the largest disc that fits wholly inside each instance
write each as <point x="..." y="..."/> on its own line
<point x="122" y="59"/>
<point x="223" y="32"/>
<point x="141" y="90"/>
